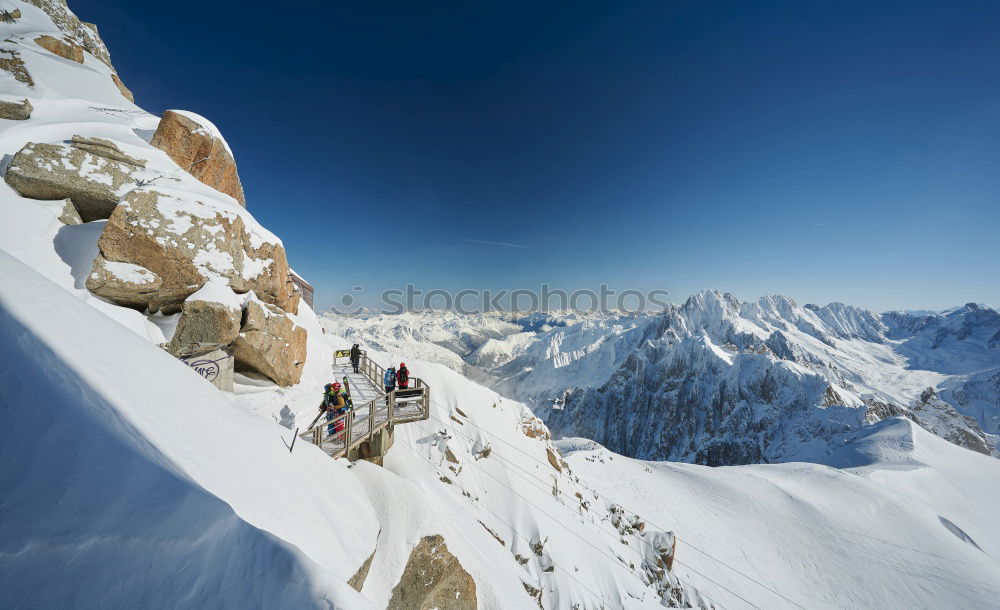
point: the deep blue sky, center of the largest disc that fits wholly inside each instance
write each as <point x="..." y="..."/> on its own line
<point x="823" y="150"/>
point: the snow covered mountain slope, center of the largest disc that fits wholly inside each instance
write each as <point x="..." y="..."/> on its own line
<point x="118" y="456"/>
<point x="718" y="381"/>
<point x="148" y="464"/>
<point x="483" y="472"/>
<point x="904" y="521"/>
<point x="895" y="517"/>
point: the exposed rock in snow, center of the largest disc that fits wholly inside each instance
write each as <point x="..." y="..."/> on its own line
<point x="63" y="47"/>
<point x="210" y="319"/>
<point x="124" y="283"/>
<point x="105" y="148"/>
<point x="15" y="110"/>
<point x="188" y="240"/>
<point x="11" y="62"/>
<point x="433" y="578"/>
<point x="78" y="32"/>
<point x="79" y="171"/>
<point x="271" y="344"/>
<point x="937" y="416"/>
<point x="196" y="145"/>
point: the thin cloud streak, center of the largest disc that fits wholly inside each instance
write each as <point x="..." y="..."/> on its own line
<point x="824" y="223"/>
<point x="498" y="243"/>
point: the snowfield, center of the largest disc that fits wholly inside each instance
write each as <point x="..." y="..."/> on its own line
<point x="904" y="520"/>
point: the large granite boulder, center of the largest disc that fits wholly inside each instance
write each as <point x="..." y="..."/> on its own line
<point x="210" y="319"/>
<point x="270" y="344"/>
<point x="124" y="283"/>
<point x="195" y="144"/>
<point x="265" y="271"/>
<point x="92" y="172"/>
<point x="183" y="240"/>
<point x="187" y="241"/>
<point x="433" y="578"/>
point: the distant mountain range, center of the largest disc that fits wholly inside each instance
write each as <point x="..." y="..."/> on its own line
<point x="719" y="381"/>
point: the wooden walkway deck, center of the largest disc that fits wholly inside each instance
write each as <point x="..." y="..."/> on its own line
<point x="374" y="412"/>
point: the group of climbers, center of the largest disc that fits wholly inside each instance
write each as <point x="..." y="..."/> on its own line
<point x="394" y="378"/>
<point x="336" y="401"/>
<point x="337" y="398"/>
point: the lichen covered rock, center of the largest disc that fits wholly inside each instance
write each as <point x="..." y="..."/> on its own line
<point x="93" y="176"/>
<point x="188" y="240"/>
<point x="183" y="240"/>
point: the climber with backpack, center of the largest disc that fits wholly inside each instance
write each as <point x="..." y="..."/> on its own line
<point x="403" y="376"/>
<point x="389" y="382"/>
<point x="333" y="405"/>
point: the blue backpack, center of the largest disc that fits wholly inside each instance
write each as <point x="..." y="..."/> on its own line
<point x="389" y="379"/>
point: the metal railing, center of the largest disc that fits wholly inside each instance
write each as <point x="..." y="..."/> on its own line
<point x="345" y="433"/>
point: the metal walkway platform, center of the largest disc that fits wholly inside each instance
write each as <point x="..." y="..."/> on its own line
<point x="362" y="431"/>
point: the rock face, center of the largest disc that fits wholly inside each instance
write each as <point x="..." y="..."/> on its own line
<point x="63" y="47"/>
<point x="186" y="241"/>
<point x="183" y="241"/>
<point x="433" y="578"/>
<point x="126" y="92"/>
<point x="93" y="173"/>
<point x="194" y="144"/>
<point x="79" y="32"/>
<point x="271" y="344"/>
<point x="205" y="325"/>
<point x="357" y="581"/>
<point x="15" y="111"/>
<point x="124" y="283"/>
<point x="940" y="418"/>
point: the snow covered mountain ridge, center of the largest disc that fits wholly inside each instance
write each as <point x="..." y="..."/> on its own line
<point x="720" y="381"/>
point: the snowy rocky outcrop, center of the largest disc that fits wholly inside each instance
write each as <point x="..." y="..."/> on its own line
<point x="940" y="418"/>
<point x="210" y="319"/>
<point x="15" y="110"/>
<point x="187" y="240"/>
<point x="167" y="188"/>
<point x="91" y="172"/>
<point x="270" y="343"/>
<point x="433" y="578"/>
<point x="195" y="144"/>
